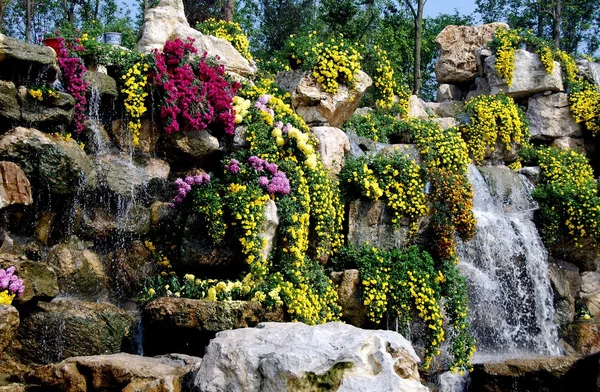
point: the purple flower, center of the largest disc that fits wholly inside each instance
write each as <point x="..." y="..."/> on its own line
<point x="263" y="181"/>
<point x="257" y="163"/>
<point x="271" y="168"/>
<point x="206" y="178"/>
<point x="11" y="270"/>
<point x="287" y="128"/>
<point x="198" y="179"/>
<point x="4" y="282"/>
<point x="189" y="180"/>
<point x="264" y="99"/>
<point x="279" y="125"/>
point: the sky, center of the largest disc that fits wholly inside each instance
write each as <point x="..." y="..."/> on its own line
<point x="432" y="7"/>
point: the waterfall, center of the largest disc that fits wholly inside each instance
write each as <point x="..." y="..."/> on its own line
<point x="507" y="270"/>
<point x="100" y="146"/>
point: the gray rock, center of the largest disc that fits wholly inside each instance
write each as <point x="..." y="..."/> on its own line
<point x="569" y="143"/>
<point x="349" y="288"/>
<point x="193" y="145"/>
<point x="590" y="70"/>
<point x="409" y="150"/>
<point x="566" y="283"/>
<point x="269" y="228"/>
<point x="333" y="147"/>
<point x="372" y="221"/>
<point x="9" y="324"/>
<point x="334" y="356"/>
<point x="449" y="92"/>
<point x="590" y="291"/>
<point x="60" y="166"/>
<point x="457" y="62"/>
<point x="481" y="87"/>
<point x="49" y="113"/>
<point x="529" y="77"/>
<point x="446" y="122"/>
<point x="318" y="107"/>
<point x="127" y="178"/>
<point x="66" y="328"/>
<point x="21" y="61"/>
<point x="416" y="108"/>
<point x="532" y="173"/>
<point x="239" y="138"/>
<point x="104" y="83"/>
<point x="10" y="110"/>
<point x="444" y="109"/>
<point x="130" y="372"/>
<point x="363" y="111"/>
<point x="550" y="117"/>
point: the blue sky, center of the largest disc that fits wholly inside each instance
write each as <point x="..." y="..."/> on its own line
<point x="432" y="7"/>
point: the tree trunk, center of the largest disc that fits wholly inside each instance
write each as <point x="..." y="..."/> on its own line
<point x="96" y="9"/>
<point x="227" y="10"/>
<point x="417" y="53"/>
<point x="28" y="17"/>
<point x="556" y="23"/>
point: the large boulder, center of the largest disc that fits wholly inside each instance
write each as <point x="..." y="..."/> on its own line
<point x="590" y="291"/>
<point x="106" y="86"/>
<point x="192" y="146"/>
<point x="530" y="76"/>
<point x="372" y="221"/>
<point x="55" y="164"/>
<point x="129" y="372"/>
<point x="350" y="299"/>
<point x="449" y="92"/>
<point x="416" y="108"/>
<point x="14" y="185"/>
<point x="333" y="147"/>
<point x="457" y="62"/>
<point x="186" y="325"/>
<point x="80" y="271"/>
<point x="9" y="324"/>
<point x="570" y="143"/>
<point x="296" y="357"/>
<point x="590" y="70"/>
<point x="47" y="114"/>
<point x="167" y="21"/>
<point x="23" y="62"/>
<point x="318" y="107"/>
<point x="550" y="117"/>
<point x="64" y="328"/>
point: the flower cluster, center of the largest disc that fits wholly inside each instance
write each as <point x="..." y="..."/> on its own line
<point x="376" y="125"/>
<point x="240" y="106"/>
<point x="135" y="83"/>
<point x="184" y="186"/>
<point x="494" y="121"/>
<point x="278" y="183"/>
<point x="504" y="44"/>
<point x="43" y="93"/>
<point x="10" y="285"/>
<point x="194" y="92"/>
<point x="584" y="101"/>
<point x="229" y="31"/>
<point x="408" y="283"/>
<point x="191" y="287"/>
<point x="568" y="196"/>
<point x="73" y="70"/>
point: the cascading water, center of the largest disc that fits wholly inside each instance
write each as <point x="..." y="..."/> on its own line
<point x="507" y="271"/>
<point x="99" y="143"/>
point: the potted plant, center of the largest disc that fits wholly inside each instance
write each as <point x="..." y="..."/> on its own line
<point x="51" y="40"/>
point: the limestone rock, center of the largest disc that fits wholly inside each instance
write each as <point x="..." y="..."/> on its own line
<point x="457" y="45"/>
<point x="532" y="173"/>
<point x="409" y="150"/>
<point x="86" y="328"/>
<point x="372" y="221"/>
<point x="14" y="185"/>
<point x="526" y="375"/>
<point x="590" y="70"/>
<point x="480" y="87"/>
<point x="125" y="177"/>
<point x="333" y="146"/>
<point x="363" y="111"/>
<point x="21" y="61"/>
<point x="186" y="325"/>
<point x="10" y="111"/>
<point x="79" y="270"/>
<point x="550" y="117"/>
<point x="167" y="21"/>
<point x="318" y="107"/>
<point x="529" y="77"/>
<point x="569" y="143"/>
<point x="129" y="372"/>
<point x="9" y="324"/>
<point x="104" y="83"/>
<point x="39" y="279"/>
<point x="60" y="166"/>
<point x="449" y="92"/>
<point x="296" y="357"/>
<point x="46" y="114"/>
<point x="584" y="336"/>
<point x="349" y="285"/>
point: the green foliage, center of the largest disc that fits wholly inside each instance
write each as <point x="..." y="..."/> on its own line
<point x="410" y="284"/>
<point x="567" y="194"/>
